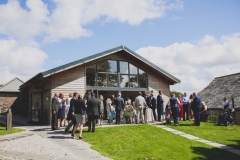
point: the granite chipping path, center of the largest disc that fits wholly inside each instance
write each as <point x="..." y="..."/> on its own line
<point x="38" y="143"/>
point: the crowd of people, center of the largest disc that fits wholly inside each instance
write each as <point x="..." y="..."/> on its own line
<point x="89" y="111"/>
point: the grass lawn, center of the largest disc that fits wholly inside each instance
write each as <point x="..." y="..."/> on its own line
<point x="3" y="130"/>
<point x="211" y="131"/>
<point x="150" y="142"/>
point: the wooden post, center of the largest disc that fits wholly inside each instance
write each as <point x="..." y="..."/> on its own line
<point x="9" y="121"/>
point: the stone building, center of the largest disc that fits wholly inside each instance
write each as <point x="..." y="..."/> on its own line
<point x="225" y="86"/>
<point x="9" y="96"/>
<point x="106" y="73"/>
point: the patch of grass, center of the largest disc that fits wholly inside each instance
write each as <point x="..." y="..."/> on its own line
<point x="211" y="131"/>
<point x="150" y="142"/>
<point x="3" y="130"/>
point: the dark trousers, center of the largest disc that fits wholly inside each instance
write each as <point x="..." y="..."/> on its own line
<point x="160" y="112"/>
<point x="154" y="114"/>
<point x="118" y="116"/>
<point x="73" y="122"/>
<point x="54" y="121"/>
<point x="175" y="113"/>
<point x="186" y="110"/>
<point x="92" y="122"/>
<point x="196" y="117"/>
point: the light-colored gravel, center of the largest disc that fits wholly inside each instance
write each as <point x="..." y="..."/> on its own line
<point x="37" y="145"/>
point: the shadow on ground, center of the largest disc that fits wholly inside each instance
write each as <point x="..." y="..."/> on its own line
<point x="211" y="154"/>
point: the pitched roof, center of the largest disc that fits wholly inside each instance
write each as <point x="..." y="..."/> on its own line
<point x="103" y="54"/>
<point x="225" y="86"/>
<point x="12" y="86"/>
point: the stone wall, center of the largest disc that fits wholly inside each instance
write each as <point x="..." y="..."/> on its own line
<point x="215" y="112"/>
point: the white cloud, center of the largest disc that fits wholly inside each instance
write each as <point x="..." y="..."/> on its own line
<point x="19" y="61"/>
<point x="23" y="29"/>
<point x="68" y="19"/>
<point x="197" y="64"/>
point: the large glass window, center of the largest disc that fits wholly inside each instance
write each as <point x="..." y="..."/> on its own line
<point x="123" y="67"/>
<point x="124" y="82"/>
<point x="91" y="68"/>
<point x="133" y="81"/>
<point x="142" y="79"/>
<point x="90" y="79"/>
<point x="133" y="69"/>
<point x="112" y="66"/>
<point x="102" y="66"/>
<point x="102" y="80"/>
<point x="107" y="72"/>
<point x="112" y="80"/>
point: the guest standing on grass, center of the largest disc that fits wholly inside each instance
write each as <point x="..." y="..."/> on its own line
<point x="146" y="110"/>
<point x="119" y="106"/>
<point x="180" y="107"/>
<point x="174" y="104"/>
<point x="196" y="107"/>
<point x="160" y="106"/>
<point x="153" y="104"/>
<point x="55" y="107"/>
<point x="93" y="107"/>
<point x="70" y="113"/>
<point x="139" y="103"/>
<point x="80" y="111"/>
<point x="186" y="108"/>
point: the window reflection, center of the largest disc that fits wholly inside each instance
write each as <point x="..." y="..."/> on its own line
<point x="133" y="82"/>
<point x="123" y="67"/>
<point x="105" y="74"/>
<point x="102" y="80"/>
<point x="90" y="79"/>
<point x="91" y="68"/>
<point x="124" y="83"/>
<point x="112" y="80"/>
<point x="143" y="80"/>
<point x="102" y="66"/>
<point x="133" y="69"/>
<point x="112" y="66"/>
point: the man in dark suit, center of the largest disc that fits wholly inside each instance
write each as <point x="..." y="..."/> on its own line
<point x="196" y="107"/>
<point x="55" y="107"/>
<point x="153" y="105"/>
<point x="93" y="109"/>
<point x="119" y="106"/>
<point x="160" y="106"/>
<point x="71" y="112"/>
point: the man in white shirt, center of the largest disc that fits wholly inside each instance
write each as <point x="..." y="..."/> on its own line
<point x="139" y="103"/>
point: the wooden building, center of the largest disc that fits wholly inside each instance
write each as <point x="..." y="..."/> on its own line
<point x="225" y="86"/>
<point x="106" y="73"/>
<point x="10" y="96"/>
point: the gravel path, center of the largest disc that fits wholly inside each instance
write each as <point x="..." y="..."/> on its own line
<point x="38" y="143"/>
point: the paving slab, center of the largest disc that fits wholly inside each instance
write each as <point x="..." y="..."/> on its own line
<point x="203" y="141"/>
<point x="160" y="126"/>
<point x="10" y="153"/>
<point x="36" y="156"/>
<point x="216" y="144"/>
<point x="236" y="151"/>
<point x="169" y="129"/>
<point x="191" y="137"/>
<point x="179" y="132"/>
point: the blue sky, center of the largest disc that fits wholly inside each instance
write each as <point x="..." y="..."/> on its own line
<point x="193" y="40"/>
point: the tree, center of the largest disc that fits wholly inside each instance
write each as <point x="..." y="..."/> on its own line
<point x="176" y="93"/>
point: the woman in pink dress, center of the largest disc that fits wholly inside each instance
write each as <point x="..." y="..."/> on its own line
<point x="180" y="107"/>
